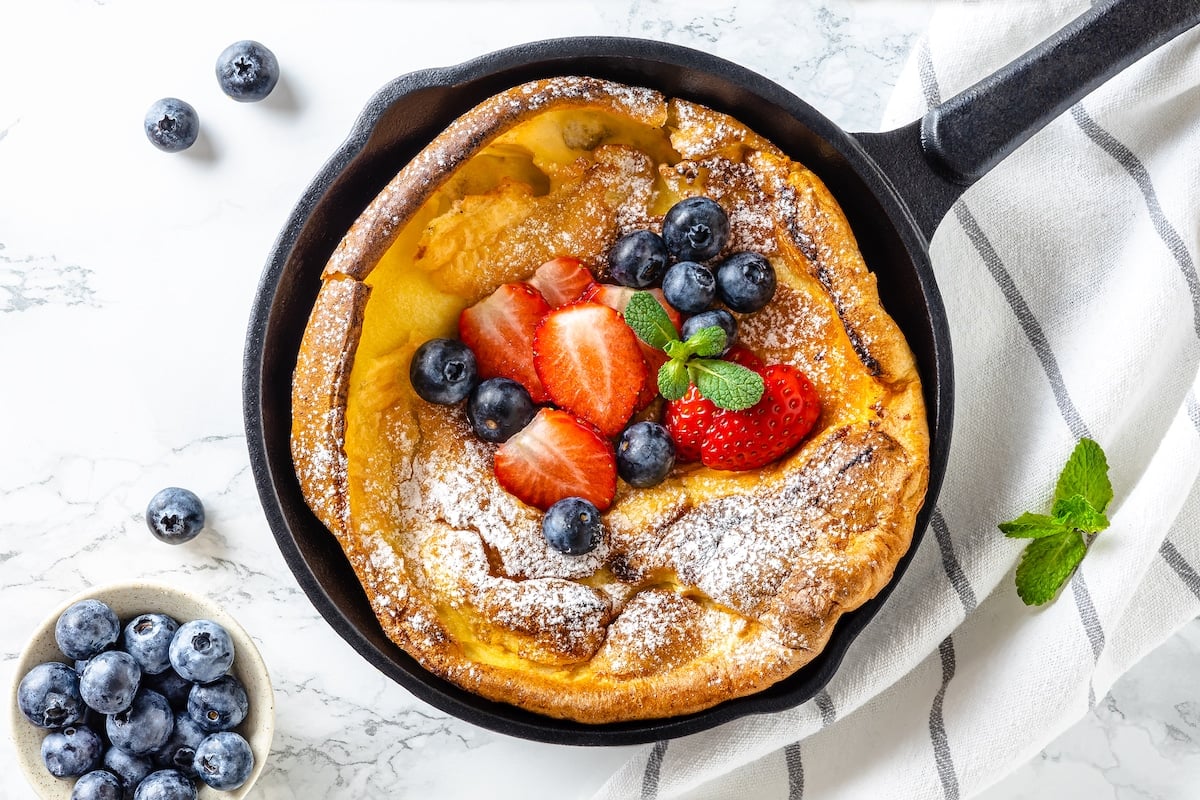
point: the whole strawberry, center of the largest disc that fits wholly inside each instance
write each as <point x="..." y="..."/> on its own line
<point x="688" y="420"/>
<point x="756" y="436"/>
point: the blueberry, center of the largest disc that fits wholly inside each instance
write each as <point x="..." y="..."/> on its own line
<point x="128" y="768"/>
<point x="220" y="705"/>
<point x="498" y="408"/>
<point x="49" y="696"/>
<point x="645" y="454"/>
<point x="247" y="71"/>
<point x="745" y="281"/>
<point x="166" y="784"/>
<point x="71" y="751"/>
<point x="110" y="681"/>
<point x="179" y="752"/>
<point x="707" y="319"/>
<point x="148" y="639"/>
<point x="97" y="785"/>
<point x="171" y="685"/>
<point x="695" y="229"/>
<point x="201" y="651"/>
<point x="143" y="727"/>
<point x="443" y="371"/>
<point x="224" y="760"/>
<point x="638" y="259"/>
<point x="172" y="125"/>
<point x="85" y="629"/>
<point x="689" y="287"/>
<point x="175" y="515"/>
<point x="573" y="526"/>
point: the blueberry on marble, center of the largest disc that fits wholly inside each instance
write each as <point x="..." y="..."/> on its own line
<point x="147" y="638"/>
<point x="172" y="124"/>
<point x="166" y="784"/>
<point x="171" y="685"/>
<point x="645" y="454"/>
<point x="85" y="629"/>
<point x="224" y="760"/>
<point x="572" y="526"/>
<point x="97" y="785"/>
<point x="128" y="768"/>
<point x="48" y="696"/>
<point x="689" y="287"/>
<point x="110" y="681"/>
<point x="201" y="651"/>
<point x="443" y="371"/>
<point x="498" y="408"/>
<point x="695" y="229"/>
<point x="247" y="71"/>
<point x="73" y="750"/>
<point x="179" y="751"/>
<point x="718" y="317"/>
<point x="220" y="705"/>
<point x="745" y="282"/>
<point x="143" y="727"/>
<point x="175" y="515"/>
<point x="638" y="259"/>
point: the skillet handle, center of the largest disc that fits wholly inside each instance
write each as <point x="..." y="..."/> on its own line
<point x="959" y="141"/>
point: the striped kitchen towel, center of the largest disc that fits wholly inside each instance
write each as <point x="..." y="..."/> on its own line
<point x="1070" y="280"/>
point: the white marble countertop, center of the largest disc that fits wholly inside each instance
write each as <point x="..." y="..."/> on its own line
<point x="126" y="277"/>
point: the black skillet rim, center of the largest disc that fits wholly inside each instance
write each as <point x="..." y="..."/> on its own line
<point x="582" y="55"/>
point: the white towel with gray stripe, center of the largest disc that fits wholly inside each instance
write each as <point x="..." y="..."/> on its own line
<point x="1070" y="279"/>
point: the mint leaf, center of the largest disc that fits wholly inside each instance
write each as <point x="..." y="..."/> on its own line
<point x="1086" y="474"/>
<point x="649" y="320"/>
<point x="1046" y="565"/>
<point x="707" y="342"/>
<point x="678" y="350"/>
<point x="673" y="379"/>
<point x="727" y="384"/>
<point x="1060" y="540"/>
<point x="1034" y="526"/>
<point x="1078" y="513"/>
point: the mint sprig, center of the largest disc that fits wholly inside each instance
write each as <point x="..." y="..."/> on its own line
<point x="1060" y="538"/>
<point x="728" y="385"/>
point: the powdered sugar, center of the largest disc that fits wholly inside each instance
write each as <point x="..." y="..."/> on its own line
<point x="706" y="558"/>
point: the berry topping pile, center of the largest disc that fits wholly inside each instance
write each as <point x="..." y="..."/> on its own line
<point x="146" y="709"/>
<point x="563" y="372"/>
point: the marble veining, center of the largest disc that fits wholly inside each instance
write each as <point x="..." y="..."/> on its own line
<point x="126" y="277"/>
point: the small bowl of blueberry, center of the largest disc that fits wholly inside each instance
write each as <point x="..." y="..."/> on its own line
<point x="139" y="691"/>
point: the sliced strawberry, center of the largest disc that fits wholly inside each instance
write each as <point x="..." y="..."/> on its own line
<point x="738" y="440"/>
<point x="744" y="356"/>
<point x="688" y="420"/>
<point x="557" y="456"/>
<point x="499" y="329"/>
<point x="590" y="363"/>
<point x="617" y="297"/>
<point x="654" y="359"/>
<point x="561" y="280"/>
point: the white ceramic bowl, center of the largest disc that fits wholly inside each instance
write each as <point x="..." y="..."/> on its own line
<point x="128" y="600"/>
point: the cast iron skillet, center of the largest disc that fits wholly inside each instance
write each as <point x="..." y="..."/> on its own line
<point x="895" y="188"/>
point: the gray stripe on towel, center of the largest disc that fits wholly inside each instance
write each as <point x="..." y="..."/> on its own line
<point x="1029" y="324"/>
<point x="1193" y="409"/>
<point x="653" y="770"/>
<point x="1141" y="176"/>
<point x="825" y="704"/>
<point x="950" y="563"/>
<point x="795" y="771"/>
<point x="937" y="725"/>
<point x="1183" y="569"/>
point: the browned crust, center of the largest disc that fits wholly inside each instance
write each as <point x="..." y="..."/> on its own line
<point x="797" y="616"/>
<point x="375" y="230"/>
<point x="319" y="388"/>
